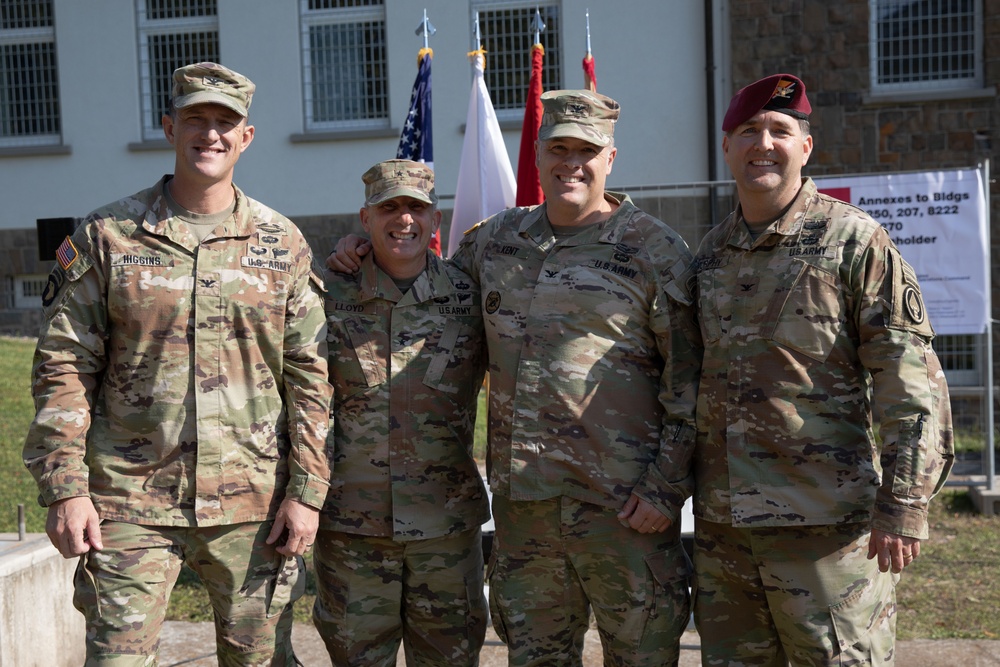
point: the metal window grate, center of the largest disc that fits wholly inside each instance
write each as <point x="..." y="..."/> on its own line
<point x="167" y="53"/>
<point x="22" y="14"/>
<point x="157" y="10"/>
<point x="29" y="92"/>
<point x="926" y="44"/>
<point x="961" y="358"/>
<point x="507" y="37"/>
<point x="344" y="64"/>
<point x="172" y="33"/>
<point x="27" y="291"/>
<point x="29" y="76"/>
<point x="342" y="4"/>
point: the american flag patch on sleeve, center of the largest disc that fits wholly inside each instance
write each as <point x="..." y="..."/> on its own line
<point x="66" y="254"/>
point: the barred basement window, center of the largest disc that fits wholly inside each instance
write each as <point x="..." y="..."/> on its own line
<point x="961" y="358"/>
<point x="29" y="81"/>
<point x="28" y="291"/>
<point x="931" y="45"/>
<point x="172" y="33"/>
<point x="345" y="79"/>
<point x="505" y="26"/>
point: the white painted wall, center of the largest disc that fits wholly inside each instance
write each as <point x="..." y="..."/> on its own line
<point x="649" y="53"/>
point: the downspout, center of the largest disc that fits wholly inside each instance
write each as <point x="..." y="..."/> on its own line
<point x="710" y="102"/>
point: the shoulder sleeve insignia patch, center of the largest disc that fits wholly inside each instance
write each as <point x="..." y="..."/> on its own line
<point x="67" y="254"/>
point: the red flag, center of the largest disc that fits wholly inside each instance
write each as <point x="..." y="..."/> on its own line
<point x="529" y="190"/>
<point x="589" y="78"/>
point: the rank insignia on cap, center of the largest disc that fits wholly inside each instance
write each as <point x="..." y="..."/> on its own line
<point x="784" y="90"/>
<point x="66" y="254"/>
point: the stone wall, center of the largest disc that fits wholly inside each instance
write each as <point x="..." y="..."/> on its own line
<point x="826" y="44"/>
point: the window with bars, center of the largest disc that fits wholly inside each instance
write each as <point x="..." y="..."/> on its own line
<point x="507" y="36"/>
<point x="344" y="68"/>
<point x="28" y="290"/>
<point x="961" y="358"/>
<point x="172" y="33"/>
<point x="925" y="45"/>
<point x="29" y="81"/>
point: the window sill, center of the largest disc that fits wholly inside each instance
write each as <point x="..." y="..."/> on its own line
<point x="26" y="151"/>
<point x="929" y="95"/>
<point x="344" y="135"/>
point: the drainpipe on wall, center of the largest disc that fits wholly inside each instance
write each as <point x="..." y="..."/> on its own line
<point x="710" y="102"/>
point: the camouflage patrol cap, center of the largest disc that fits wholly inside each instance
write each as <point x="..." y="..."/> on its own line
<point x="399" y="178"/>
<point x="578" y="113"/>
<point x="210" y="83"/>
<point x="784" y="93"/>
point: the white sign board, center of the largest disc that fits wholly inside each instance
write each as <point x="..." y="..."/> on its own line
<point x="938" y="222"/>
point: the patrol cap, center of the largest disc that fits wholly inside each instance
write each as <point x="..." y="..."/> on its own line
<point x="399" y="178"/>
<point x="578" y="113"/>
<point x="211" y="83"/>
<point x="779" y="92"/>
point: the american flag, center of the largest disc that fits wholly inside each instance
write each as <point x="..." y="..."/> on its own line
<point x="416" y="142"/>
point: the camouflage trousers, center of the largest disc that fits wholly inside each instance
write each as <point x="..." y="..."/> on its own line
<point x="554" y="561"/>
<point x="373" y="592"/>
<point x="124" y="589"/>
<point x="807" y="595"/>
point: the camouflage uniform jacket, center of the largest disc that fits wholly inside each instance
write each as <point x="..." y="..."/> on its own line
<point x="406" y="371"/>
<point x="814" y="333"/>
<point x="594" y="357"/>
<point x="181" y="384"/>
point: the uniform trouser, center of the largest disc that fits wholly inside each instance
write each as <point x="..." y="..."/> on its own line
<point x="123" y="591"/>
<point x="373" y="592"/>
<point x="807" y="595"/>
<point x="556" y="560"/>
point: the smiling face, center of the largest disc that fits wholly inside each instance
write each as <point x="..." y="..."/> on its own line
<point x="400" y="229"/>
<point x="766" y="155"/>
<point x="573" y="173"/>
<point x="208" y="140"/>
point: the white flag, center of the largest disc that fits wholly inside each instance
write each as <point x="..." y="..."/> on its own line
<point x="486" y="182"/>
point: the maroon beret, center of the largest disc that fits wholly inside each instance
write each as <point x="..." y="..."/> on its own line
<point x="778" y="92"/>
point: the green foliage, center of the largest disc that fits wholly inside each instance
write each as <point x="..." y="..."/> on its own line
<point x="951" y="591"/>
<point x="15" y="396"/>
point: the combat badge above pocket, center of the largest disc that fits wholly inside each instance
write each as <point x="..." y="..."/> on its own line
<point x="908" y="310"/>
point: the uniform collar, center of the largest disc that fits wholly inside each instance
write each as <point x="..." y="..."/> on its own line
<point x="535" y="224"/>
<point x="789" y="224"/>
<point x="161" y="220"/>
<point x="433" y="282"/>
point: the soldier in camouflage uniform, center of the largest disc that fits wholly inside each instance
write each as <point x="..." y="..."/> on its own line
<point x="816" y="338"/>
<point x="180" y="382"/>
<point x="594" y="356"/>
<point x="594" y="359"/>
<point x="399" y="552"/>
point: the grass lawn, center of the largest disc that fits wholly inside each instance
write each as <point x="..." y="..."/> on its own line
<point x="951" y="591"/>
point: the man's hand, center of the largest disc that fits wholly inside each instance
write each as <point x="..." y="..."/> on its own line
<point x="74" y="527"/>
<point x="301" y="521"/>
<point x="346" y="258"/>
<point x="893" y="551"/>
<point x="641" y="516"/>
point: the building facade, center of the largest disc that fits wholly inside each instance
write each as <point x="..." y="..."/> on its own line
<point x="896" y="85"/>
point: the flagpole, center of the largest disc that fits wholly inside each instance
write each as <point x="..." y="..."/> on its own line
<point x="589" y="77"/>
